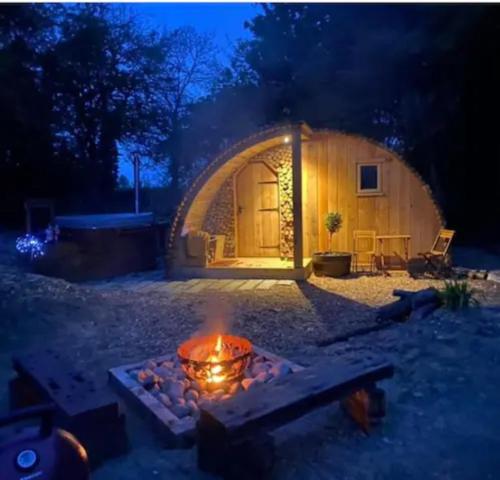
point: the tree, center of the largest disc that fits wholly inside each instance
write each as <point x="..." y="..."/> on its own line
<point x="105" y="74"/>
<point x="193" y="68"/>
<point x="25" y="108"/>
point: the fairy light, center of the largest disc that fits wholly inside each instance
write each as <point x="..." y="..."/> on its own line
<point x="30" y="245"/>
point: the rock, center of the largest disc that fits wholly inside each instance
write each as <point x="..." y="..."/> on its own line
<point x="225" y="397"/>
<point x="180" y="401"/>
<point x="192" y="395"/>
<point x="247" y="383"/>
<point x="180" y="411"/>
<point x="217" y="395"/>
<point x="163" y="373"/>
<point x="175" y="390"/>
<point x="168" y="364"/>
<point x="263" y="377"/>
<point x="280" y="370"/>
<point x="258" y="368"/>
<point x="195" y="386"/>
<point x="193" y="408"/>
<point x="165" y="399"/>
<point x="150" y="365"/>
<point x="234" y="388"/>
<point x="146" y="377"/>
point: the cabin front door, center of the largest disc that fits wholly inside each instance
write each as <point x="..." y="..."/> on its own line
<point x="258" y="216"/>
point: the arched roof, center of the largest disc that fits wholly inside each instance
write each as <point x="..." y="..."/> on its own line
<point x="203" y="189"/>
<point x="197" y="200"/>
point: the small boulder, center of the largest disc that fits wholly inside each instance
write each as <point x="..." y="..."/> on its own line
<point x="175" y="389"/>
<point x="263" y="377"/>
<point x="247" y="383"/>
<point x="192" y="395"/>
<point x="195" y="386"/>
<point x="150" y="364"/>
<point x="280" y="370"/>
<point x="146" y="377"/>
<point x="234" y="388"/>
<point x="193" y="407"/>
<point x="165" y="399"/>
<point x="180" y="411"/>
<point x="163" y="373"/>
<point x="259" y="368"/>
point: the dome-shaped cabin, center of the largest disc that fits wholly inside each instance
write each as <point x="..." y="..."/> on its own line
<point x="258" y="209"/>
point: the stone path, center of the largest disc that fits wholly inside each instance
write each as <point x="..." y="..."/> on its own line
<point x="155" y="282"/>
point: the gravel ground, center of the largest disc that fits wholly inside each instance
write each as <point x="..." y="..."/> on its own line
<point x="443" y="400"/>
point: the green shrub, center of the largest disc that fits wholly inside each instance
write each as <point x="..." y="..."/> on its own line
<point x="333" y="222"/>
<point x="457" y="295"/>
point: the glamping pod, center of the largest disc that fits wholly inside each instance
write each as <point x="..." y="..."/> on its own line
<point x="258" y="209"/>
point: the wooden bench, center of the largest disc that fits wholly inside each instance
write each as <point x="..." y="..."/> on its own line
<point x="91" y="413"/>
<point x="233" y="436"/>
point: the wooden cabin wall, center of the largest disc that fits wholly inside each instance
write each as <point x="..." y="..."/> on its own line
<point x="329" y="184"/>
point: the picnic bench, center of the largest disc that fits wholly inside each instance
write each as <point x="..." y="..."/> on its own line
<point x="89" y="412"/>
<point x="234" y="438"/>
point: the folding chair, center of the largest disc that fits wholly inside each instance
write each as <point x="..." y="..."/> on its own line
<point x="436" y="260"/>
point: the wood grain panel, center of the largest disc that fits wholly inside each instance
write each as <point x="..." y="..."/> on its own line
<point x="403" y="207"/>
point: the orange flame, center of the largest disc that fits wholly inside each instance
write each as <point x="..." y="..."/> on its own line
<point x="216" y="369"/>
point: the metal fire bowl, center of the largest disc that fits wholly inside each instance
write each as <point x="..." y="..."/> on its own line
<point x="232" y="368"/>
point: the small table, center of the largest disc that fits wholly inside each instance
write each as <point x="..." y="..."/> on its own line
<point x="403" y="238"/>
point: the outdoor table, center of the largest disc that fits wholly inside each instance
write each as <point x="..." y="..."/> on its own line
<point x="405" y="239"/>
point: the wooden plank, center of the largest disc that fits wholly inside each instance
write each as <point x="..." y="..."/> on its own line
<point x="267" y="406"/>
<point x="298" y="253"/>
<point x="286" y="283"/>
<point x="219" y="284"/>
<point x="266" y="285"/>
<point x="250" y="284"/>
<point x="322" y="194"/>
<point x="233" y="285"/>
<point x="198" y="287"/>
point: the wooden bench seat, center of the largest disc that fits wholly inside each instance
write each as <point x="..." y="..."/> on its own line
<point x="90" y="412"/>
<point x="233" y="436"/>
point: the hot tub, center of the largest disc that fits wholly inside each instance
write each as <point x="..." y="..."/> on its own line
<point x="94" y="247"/>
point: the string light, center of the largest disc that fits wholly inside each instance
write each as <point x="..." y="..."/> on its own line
<point x="30" y="245"/>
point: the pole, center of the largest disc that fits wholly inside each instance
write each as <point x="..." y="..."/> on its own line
<point x="136" y="181"/>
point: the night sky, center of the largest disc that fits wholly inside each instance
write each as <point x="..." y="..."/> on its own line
<point x="223" y="20"/>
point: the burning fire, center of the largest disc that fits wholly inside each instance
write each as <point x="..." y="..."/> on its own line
<point x="215" y="359"/>
<point x="214" y="372"/>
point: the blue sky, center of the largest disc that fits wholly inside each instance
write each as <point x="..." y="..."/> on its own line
<point x="224" y="20"/>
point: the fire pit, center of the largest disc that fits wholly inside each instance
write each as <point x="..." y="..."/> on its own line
<point x="204" y="371"/>
<point x="215" y="359"/>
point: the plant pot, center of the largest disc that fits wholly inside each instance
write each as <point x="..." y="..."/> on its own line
<point x="331" y="264"/>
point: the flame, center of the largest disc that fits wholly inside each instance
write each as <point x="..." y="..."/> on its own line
<point x="218" y="345"/>
<point x="215" y="370"/>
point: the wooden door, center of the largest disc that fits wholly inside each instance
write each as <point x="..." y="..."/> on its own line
<point x="257" y="205"/>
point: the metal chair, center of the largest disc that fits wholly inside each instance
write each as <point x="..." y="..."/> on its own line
<point x="364" y="244"/>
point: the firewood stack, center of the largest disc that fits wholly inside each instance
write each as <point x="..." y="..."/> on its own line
<point x="411" y="305"/>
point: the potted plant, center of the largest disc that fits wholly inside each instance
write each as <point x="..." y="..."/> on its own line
<point x="330" y="263"/>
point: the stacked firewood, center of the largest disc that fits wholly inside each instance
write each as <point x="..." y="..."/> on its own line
<point x="411" y="305"/>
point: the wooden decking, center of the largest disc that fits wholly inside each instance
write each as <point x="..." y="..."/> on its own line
<point x="248" y="268"/>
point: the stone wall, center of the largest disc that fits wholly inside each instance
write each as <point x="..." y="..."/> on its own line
<point x="220" y="215"/>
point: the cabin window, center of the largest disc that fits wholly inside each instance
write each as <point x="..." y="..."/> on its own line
<point x="369" y="178"/>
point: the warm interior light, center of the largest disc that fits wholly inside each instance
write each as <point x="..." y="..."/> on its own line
<point x="287" y="139"/>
